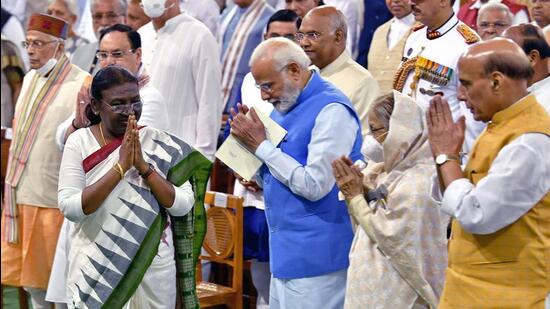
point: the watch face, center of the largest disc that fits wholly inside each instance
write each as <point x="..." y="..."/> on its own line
<point x="440" y="159"/>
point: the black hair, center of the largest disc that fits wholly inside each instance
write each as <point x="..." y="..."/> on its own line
<point x="133" y="36"/>
<point x="284" y="16"/>
<point x="107" y="78"/>
<point x="533" y="39"/>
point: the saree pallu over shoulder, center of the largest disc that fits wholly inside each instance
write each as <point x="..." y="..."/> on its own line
<point x="122" y="237"/>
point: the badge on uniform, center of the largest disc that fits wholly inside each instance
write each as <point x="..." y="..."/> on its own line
<point x="433" y="72"/>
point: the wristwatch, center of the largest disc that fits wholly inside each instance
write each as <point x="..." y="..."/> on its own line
<point x="443" y="158"/>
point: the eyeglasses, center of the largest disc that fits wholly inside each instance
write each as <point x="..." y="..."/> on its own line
<point x="109" y="16"/>
<point x="36" y="43"/>
<point x="312" y="35"/>
<point x="117" y="54"/>
<point x="125" y="108"/>
<point x="485" y="25"/>
<point x="267" y="86"/>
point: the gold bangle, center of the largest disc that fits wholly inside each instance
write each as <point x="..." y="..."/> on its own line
<point x="117" y="167"/>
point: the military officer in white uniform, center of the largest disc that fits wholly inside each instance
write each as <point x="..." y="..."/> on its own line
<point x="430" y="58"/>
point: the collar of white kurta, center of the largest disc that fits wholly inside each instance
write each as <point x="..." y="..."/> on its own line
<point x="541" y="84"/>
<point x="336" y="65"/>
<point x="237" y="44"/>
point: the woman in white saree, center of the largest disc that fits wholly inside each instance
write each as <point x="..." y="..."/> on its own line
<point x="398" y="256"/>
<point x="123" y="187"/>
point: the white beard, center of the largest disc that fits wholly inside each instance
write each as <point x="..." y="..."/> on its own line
<point x="287" y="100"/>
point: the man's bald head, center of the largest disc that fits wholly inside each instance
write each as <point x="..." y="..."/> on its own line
<point x="333" y="17"/>
<point x="493" y="75"/>
<point x="323" y="35"/>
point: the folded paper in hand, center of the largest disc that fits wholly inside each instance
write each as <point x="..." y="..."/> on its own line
<point x="243" y="162"/>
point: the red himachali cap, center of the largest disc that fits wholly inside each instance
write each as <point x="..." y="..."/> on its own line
<point x="49" y="25"/>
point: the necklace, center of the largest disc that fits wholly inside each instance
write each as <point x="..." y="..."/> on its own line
<point x="102" y="136"/>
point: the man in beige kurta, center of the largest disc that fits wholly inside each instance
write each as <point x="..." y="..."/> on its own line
<point x="30" y="218"/>
<point x="323" y="37"/>
<point x="388" y="42"/>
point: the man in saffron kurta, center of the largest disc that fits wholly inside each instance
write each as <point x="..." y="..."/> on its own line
<point x="310" y="229"/>
<point x="31" y="220"/>
<point x="500" y="203"/>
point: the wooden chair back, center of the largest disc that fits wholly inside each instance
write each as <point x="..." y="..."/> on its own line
<point x="224" y="244"/>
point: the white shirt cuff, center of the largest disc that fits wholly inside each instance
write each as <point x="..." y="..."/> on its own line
<point x="263" y="151"/>
<point x="454" y="194"/>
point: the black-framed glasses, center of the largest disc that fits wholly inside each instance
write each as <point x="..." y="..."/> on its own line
<point x="125" y="108"/>
<point x="108" y="15"/>
<point x="117" y="54"/>
<point x="36" y="43"/>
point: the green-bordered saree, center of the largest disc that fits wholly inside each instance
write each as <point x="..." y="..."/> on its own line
<point x="112" y="248"/>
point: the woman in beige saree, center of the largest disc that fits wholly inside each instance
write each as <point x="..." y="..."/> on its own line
<point x="398" y="256"/>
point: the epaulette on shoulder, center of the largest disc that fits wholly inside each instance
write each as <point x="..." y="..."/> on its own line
<point x="417" y="26"/>
<point x="469" y="35"/>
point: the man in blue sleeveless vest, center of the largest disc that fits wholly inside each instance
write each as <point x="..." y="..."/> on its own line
<point x="310" y="229"/>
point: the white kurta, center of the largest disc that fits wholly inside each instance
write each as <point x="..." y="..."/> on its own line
<point x="182" y="59"/>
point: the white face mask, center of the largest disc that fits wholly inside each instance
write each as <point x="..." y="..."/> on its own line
<point x="47" y="67"/>
<point x="154" y="8"/>
<point x="372" y="149"/>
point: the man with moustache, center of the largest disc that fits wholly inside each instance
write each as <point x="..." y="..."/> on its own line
<point x="500" y="203"/>
<point x="429" y="65"/>
<point x="283" y="23"/>
<point x="105" y="13"/>
<point x="492" y="20"/>
<point x="31" y="219"/>
<point x="310" y="229"/>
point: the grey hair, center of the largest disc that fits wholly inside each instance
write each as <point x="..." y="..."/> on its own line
<point x="121" y="5"/>
<point x="495" y="7"/>
<point x="71" y="5"/>
<point x="282" y="52"/>
<point x="338" y="22"/>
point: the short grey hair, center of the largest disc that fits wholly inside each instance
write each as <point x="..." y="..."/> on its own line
<point x="71" y="5"/>
<point x="494" y="6"/>
<point x="338" y="21"/>
<point x="282" y="52"/>
<point x="121" y="5"/>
